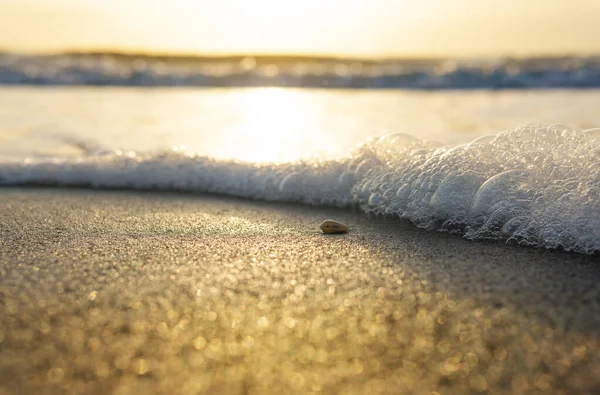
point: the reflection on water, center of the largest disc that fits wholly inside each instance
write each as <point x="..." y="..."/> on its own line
<point x="274" y="125"/>
<point x="265" y="124"/>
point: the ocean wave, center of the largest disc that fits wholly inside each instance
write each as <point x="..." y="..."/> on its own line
<point x="535" y="185"/>
<point x="105" y="69"/>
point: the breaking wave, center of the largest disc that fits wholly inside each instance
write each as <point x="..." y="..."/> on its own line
<point x="534" y="185"/>
<point x="142" y="70"/>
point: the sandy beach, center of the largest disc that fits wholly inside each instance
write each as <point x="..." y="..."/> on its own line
<point x="107" y="292"/>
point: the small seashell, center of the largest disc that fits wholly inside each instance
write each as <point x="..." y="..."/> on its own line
<point x="330" y="226"/>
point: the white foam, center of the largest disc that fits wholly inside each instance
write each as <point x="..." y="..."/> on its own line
<point x="534" y="185"/>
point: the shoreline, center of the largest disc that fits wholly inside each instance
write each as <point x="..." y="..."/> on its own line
<point x="118" y="291"/>
<point x="350" y="209"/>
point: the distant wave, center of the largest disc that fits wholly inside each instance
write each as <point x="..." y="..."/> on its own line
<point x="107" y="69"/>
<point x="534" y="186"/>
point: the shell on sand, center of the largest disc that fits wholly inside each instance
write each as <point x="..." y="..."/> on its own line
<point x="331" y="226"/>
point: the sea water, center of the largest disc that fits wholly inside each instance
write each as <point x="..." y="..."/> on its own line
<point x="520" y="166"/>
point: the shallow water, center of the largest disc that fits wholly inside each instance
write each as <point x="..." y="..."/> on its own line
<point x="267" y="124"/>
<point x="455" y="161"/>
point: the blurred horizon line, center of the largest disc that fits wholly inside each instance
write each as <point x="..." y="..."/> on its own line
<point x="286" y="70"/>
<point x="284" y="57"/>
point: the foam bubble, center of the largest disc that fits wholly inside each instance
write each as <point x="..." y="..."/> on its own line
<point x="534" y="185"/>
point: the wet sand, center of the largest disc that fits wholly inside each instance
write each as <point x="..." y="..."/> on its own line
<point x="142" y="293"/>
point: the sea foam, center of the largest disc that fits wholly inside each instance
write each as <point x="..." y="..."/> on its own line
<point x="534" y="185"/>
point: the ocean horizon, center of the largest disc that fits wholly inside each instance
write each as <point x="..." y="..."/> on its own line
<point x="429" y="73"/>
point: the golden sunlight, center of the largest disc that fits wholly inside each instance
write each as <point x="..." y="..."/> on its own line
<point x="265" y="26"/>
<point x="274" y="125"/>
<point x="310" y="27"/>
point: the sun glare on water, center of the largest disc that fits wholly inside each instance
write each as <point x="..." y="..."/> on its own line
<point x="273" y="125"/>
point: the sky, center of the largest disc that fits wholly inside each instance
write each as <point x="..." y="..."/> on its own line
<point x="371" y="28"/>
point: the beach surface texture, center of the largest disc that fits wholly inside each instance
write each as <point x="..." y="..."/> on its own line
<point x="108" y="292"/>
